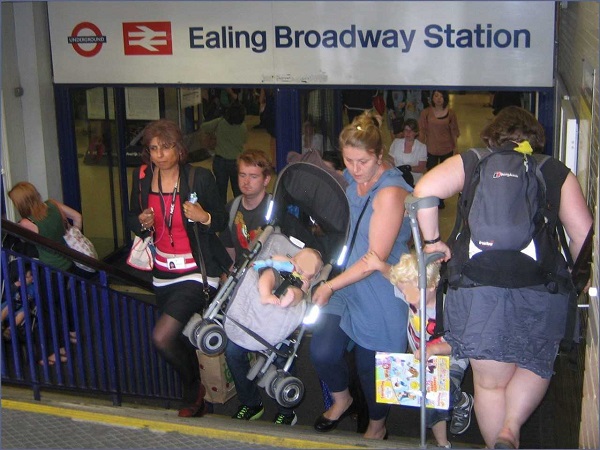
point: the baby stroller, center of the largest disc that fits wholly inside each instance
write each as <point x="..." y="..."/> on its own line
<point x="309" y="209"/>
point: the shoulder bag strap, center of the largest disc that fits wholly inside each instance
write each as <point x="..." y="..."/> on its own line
<point x="356" y="229"/>
<point x="191" y="175"/>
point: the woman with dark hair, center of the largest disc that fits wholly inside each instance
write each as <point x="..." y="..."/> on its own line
<point x="510" y="334"/>
<point x="159" y="205"/>
<point x="439" y="129"/>
<point x="410" y="154"/>
<point x="359" y="305"/>
<point x="231" y="134"/>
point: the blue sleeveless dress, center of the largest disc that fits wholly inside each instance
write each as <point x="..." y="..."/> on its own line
<point x="371" y="315"/>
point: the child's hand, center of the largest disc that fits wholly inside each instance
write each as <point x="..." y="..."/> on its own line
<point x="372" y="261"/>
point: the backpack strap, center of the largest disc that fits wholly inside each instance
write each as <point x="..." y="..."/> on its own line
<point x="232" y="212"/>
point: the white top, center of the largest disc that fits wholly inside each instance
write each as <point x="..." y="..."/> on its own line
<point x="316" y="144"/>
<point x="418" y="153"/>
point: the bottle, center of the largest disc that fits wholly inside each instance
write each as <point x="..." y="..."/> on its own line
<point x="193" y="199"/>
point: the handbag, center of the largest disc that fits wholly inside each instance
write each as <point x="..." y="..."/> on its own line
<point x="77" y="241"/>
<point x="141" y="255"/>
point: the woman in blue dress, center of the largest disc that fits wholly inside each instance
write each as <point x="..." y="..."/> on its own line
<point x="359" y="306"/>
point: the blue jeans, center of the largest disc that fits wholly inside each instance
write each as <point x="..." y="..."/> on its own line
<point x="247" y="390"/>
<point x="457" y="373"/>
<point x="327" y="348"/>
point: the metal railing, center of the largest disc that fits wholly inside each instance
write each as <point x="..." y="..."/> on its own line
<point x="77" y="333"/>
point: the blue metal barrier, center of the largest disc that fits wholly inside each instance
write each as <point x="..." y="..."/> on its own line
<point x="105" y="334"/>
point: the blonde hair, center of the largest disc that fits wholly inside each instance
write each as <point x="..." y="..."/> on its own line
<point x="407" y="271"/>
<point x="28" y="201"/>
<point x="363" y="133"/>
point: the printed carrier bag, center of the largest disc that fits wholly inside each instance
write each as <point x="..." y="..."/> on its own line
<point x="216" y="378"/>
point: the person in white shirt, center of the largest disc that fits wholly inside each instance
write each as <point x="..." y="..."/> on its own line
<point x="409" y="150"/>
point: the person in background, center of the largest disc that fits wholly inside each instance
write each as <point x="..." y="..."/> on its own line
<point x="231" y="135"/>
<point x="357" y="101"/>
<point x="46" y="219"/>
<point x="409" y="151"/>
<point x="160" y="205"/>
<point x="246" y="222"/>
<point x="404" y="276"/>
<point x="404" y="104"/>
<point x="439" y="130"/>
<point x="360" y="306"/>
<point x="311" y="140"/>
<point x="18" y="302"/>
<point x="510" y="335"/>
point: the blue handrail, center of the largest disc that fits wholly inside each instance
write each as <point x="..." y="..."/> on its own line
<point x="110" y="351"/>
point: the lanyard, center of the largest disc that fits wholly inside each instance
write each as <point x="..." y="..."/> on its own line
<point x="168" y="219"/>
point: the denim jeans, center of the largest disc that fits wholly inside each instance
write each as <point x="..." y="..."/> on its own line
<point x="457" y="373"/>
<point x="247" y="390"/>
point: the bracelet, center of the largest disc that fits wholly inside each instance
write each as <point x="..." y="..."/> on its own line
<point x="328" y="284"/>
<point x="208" y="221"/>
<point x="432" y="241"/>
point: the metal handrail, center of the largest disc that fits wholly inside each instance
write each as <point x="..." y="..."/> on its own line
<point x="110" y="350"/>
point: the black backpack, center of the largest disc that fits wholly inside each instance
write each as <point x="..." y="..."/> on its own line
<point x="501" y="212"/>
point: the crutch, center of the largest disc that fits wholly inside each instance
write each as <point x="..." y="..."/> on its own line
<point x="412" y="204"/>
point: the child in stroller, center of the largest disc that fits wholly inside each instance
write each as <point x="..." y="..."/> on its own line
<point x="283" y="280"/>
<point x="309" y="209"/>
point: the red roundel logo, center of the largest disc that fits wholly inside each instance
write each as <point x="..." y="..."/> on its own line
<point x="91" y="42"/>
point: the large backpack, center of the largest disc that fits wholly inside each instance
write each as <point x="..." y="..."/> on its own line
<point x="503" y="235"/>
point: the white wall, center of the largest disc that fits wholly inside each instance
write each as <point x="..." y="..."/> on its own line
<point x="31" y="131"/>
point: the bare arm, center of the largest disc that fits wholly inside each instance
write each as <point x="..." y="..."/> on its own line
<point x="574" y="214"/>
<point x="383" y="230"/>
<point x="71" y="214"/>
<point x="419" y="168"/>
<point x="443" y="181"/>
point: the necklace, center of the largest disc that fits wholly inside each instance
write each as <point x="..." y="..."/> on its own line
<point x="168" y="219"/>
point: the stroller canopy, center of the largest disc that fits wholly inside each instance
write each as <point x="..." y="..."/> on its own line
<point x="310" y="205"/>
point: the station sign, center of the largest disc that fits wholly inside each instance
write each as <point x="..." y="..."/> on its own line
<point x="409" y="43"/>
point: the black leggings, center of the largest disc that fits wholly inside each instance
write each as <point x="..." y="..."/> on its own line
<point x="434" y="160"/>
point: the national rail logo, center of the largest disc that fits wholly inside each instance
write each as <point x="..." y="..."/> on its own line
<point x="147" y="38"/>
<point x="81" y="43"/>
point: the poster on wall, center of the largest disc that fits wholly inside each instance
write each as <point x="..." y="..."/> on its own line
<point x="142" y="104"/>
<point x="190" y="97"/>
<point x="97" y="105"/>
<point x="433" y="43"/>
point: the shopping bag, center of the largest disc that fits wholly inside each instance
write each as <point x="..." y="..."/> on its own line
<point x="216" y="378"/>
<point x="141" y="256"/>
<point x="77" y="241"/>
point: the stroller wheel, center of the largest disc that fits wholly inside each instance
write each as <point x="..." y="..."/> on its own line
<point x="288" y="391"/>
<point x="258" y="364"/>
<point x="268" y="379"/>
<point x="211" y="339"/>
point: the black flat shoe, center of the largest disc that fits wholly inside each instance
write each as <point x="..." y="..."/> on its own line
<point x="323" y="424"/>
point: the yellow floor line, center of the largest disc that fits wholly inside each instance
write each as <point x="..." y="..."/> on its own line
<point x="154" y="425"/>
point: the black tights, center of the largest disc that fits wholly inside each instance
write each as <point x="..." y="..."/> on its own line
<point x="178" y="352"/>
